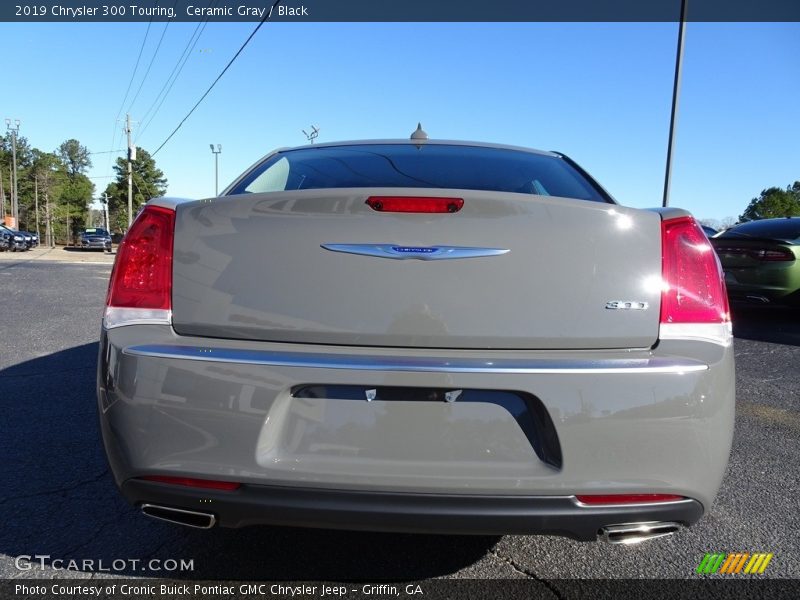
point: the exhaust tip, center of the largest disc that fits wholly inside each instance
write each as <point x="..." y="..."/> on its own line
<point x="635" y="533"/>
<point x="180" y="516"/>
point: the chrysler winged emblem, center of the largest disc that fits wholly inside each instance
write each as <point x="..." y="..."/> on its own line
<point x="398" y="252"/>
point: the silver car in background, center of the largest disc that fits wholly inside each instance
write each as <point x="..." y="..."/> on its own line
<point x="421" y="336"/>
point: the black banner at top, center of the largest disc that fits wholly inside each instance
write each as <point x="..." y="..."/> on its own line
<point x="397" y="10"/>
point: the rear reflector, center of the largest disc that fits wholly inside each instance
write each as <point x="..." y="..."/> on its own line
<point x="606" y="499"/>
<point x="140" y="289"/>
<point x="693" y="285"/>
<point x="415" y="204"/>
<point x="207" y="484"/>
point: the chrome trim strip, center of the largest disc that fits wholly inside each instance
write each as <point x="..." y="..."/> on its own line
<point x="116" y="316"/>
<point x="418" y="364"/>
<point x="401" y="252"/>
<point x="716" y="333"/>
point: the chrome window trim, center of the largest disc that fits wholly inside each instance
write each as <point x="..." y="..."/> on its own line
<point x="310" y="360"/>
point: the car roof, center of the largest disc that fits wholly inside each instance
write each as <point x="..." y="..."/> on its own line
<point x="786" y="228"/>
<point x="409" y="142"/>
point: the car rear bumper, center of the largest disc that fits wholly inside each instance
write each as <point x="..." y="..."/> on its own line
<point x="763" y="295"/>
<point x="776" y="283"/>
<point x="96" y="244"/>
<point x="286" y="419"/>
<point x="406" y="512"/>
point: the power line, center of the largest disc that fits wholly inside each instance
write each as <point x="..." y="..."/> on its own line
<point x="152" y="59"/>
<point x="133" y="75"/>
<point x="211" y="87"/>
<point x="187" y="52"/>
<point x="149" y="65"/>
<point x="130" y="83"/>
<point x="108" y="151"/>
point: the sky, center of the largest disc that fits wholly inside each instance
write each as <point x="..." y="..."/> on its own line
<point x="599" y="92"/>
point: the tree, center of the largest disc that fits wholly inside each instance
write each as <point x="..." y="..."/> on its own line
<point x="774" y="202"/>
<point x="24" y="158"/>
<point x="24" y="151"/>
<point x="148" y="182"/>
<point x="77" y="191"/>
<point x="719" y="224"/>
<point x="75" y="157"/>
<point x="64" y="190"/>
<point x="48" y="174"/>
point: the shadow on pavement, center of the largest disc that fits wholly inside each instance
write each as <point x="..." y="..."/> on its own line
<point x="775" y="324"/>
<point x="86" y="250"/>
<point x="58" y="499"/>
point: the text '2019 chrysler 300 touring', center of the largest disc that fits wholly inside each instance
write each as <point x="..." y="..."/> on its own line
<point x="420" y="336"/>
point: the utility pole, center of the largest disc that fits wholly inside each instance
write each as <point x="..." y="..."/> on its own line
<point x="14" y="198"/>
<point x="131" y="157"/>
<point x="676" y="89"/>
<point x="105" y="211"/>
<point x="36" y="196"/>
<point x="2" y="200"/>
<point x="216" y="167"/>
<point x="47" y="229"/>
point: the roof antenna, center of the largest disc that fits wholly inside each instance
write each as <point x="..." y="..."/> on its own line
<point x="419" y="134"/>
<point x="313" y="135"/>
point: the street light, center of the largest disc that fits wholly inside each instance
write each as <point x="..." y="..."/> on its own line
<point x="216" y="167"/>
<point x="14" y="198"/>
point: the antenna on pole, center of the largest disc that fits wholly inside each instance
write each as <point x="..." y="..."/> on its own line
<point x="676" y="89"/>
<point x="313" y="135"/>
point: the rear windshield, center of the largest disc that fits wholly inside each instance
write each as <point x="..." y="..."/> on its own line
<point x="423" y="166"/>
<point x="777" y="229"/>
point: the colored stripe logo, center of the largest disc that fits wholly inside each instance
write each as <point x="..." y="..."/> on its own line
<point x="734" y="563"/>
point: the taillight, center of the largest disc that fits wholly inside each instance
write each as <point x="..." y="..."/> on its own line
<point x="694" y="302"/>
<point x="761" y="254"/>
<point x="415" y="204"/>
<point x="140" y="289"/>
<point x="776" y="255"/>
<point x="206" y="484"/>
<point x="607" y="499"/>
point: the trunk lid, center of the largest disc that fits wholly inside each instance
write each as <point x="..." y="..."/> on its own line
<point x="256" y="267"/>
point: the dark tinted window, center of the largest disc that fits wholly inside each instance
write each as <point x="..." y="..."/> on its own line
<point x="778" y="229"/>
<point x="424" y="166"/>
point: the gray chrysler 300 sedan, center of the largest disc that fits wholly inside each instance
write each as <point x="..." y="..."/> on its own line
<point x="419" y="336"/>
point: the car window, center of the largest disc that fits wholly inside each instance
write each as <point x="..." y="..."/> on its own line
<point x="273" y="178"/>
<point x="423" y="166"/>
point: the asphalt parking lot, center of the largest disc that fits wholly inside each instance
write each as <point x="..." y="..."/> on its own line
<point x="57" y="497"/>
